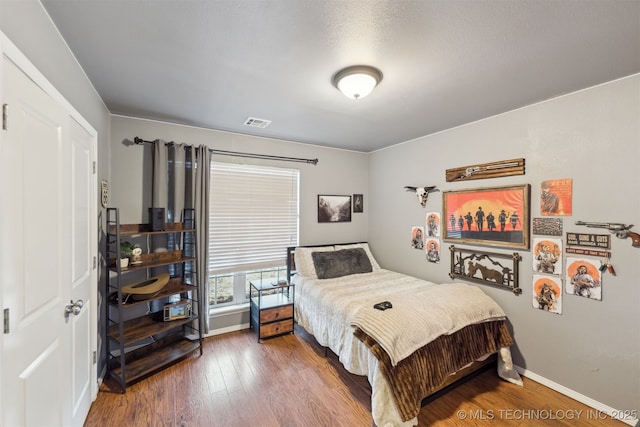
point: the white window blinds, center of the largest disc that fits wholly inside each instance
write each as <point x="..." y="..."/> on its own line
<point x="253" y="216"/>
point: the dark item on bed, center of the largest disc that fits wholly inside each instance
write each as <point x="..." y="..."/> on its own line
<point x="383" y="305"/>
<point x="340" y="263"/>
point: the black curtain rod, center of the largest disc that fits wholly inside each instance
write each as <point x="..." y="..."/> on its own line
<point x="139" y="141"/>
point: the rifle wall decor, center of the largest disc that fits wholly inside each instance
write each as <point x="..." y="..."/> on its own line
<point x="486" y="268"/>
<point x="486" y="170"/>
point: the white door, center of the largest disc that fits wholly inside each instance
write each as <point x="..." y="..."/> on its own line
<point x="46" y="253"/>
<point x="82" y="251"/>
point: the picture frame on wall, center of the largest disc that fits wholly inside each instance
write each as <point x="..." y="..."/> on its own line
<point x="494" y="216"/>
<point x="334" y="208"/>
<point x="358" y="203"/>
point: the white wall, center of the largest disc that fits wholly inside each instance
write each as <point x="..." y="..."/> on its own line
<point x="337" y="172"/>
<point x="592" y="136"/>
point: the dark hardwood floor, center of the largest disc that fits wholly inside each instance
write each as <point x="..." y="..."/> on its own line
<point x="288" y="381"/>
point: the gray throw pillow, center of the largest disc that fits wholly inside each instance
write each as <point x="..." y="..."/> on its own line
<point x="340" y="263"/>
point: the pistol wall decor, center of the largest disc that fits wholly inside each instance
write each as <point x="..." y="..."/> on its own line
<point x="620" y="230"/>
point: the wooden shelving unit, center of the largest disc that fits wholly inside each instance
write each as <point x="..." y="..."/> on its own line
<point x="139" y="340"/>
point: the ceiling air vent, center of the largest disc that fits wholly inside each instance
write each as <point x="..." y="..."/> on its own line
<point x="257" y="123"/>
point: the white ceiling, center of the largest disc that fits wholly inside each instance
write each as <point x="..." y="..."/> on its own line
<point x="215" y="63"/>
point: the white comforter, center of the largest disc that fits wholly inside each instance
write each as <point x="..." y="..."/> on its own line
<point x="329" y="309"/>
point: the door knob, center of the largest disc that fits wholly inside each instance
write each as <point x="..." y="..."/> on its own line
<point x="73" y="308"/>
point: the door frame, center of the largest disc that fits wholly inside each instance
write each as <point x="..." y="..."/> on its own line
<point x="11" y="51"/>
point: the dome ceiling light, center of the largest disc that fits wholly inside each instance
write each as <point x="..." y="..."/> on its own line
<point x="357" y="81"/>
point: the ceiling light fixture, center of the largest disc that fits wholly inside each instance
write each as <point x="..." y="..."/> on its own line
<point x="357" y="81"/>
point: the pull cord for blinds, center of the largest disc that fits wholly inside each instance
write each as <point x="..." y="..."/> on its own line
<point x="140" y="141"/>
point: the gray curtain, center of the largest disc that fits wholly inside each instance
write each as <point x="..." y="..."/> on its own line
<point x="181" y="180"/>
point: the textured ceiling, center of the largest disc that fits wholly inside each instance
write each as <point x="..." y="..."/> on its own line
<point x="215" y="63"/>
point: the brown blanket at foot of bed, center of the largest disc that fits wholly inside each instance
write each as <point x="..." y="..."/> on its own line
<point x="422" y="373"/>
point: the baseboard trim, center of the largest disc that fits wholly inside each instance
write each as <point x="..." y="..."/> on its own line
<point x="598" y="406"/>
<point x="213" y="332"/>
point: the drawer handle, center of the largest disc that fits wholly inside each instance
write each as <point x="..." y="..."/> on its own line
<point x="277" y="315"/>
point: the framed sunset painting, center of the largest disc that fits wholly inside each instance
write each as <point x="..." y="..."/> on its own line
<point x="497" y="216"/>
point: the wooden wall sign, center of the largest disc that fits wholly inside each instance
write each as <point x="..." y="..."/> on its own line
<point x="486" y="170"/>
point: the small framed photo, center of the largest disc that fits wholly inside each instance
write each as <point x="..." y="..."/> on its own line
<point x="333" y="208"/>
<point x="358" y="203"/>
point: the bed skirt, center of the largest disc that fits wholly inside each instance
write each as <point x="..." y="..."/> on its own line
<point x="424" y="372"/>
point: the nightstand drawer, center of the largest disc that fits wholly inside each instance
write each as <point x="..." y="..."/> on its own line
<point x="276" y="328"/>
<point x="271" y="302"/>
<point x="276" y="313"/>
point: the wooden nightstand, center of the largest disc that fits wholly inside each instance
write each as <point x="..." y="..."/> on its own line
<point x="271" y="307"/>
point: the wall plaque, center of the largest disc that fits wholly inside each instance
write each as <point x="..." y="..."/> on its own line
<point x="589" y="240"/>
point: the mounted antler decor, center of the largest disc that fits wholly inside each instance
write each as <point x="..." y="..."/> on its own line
<point x="485" y="268"/>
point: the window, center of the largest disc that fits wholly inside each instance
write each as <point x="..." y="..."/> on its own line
<point x="253" y="217"/>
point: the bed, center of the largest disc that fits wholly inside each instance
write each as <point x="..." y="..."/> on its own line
<point x="431" y="334"/>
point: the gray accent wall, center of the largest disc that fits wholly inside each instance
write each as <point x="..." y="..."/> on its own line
<point x="591" y="136"/>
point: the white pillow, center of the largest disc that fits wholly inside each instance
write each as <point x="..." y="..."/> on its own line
<point x="365" y="246"/>
<point x="304" y="261"/>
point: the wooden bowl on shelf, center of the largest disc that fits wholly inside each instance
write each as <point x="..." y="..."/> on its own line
<point x="147" y="288"/>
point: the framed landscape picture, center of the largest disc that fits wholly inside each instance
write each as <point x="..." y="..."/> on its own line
<point x="497" y="216"/>
<point x="334" y="208"/>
